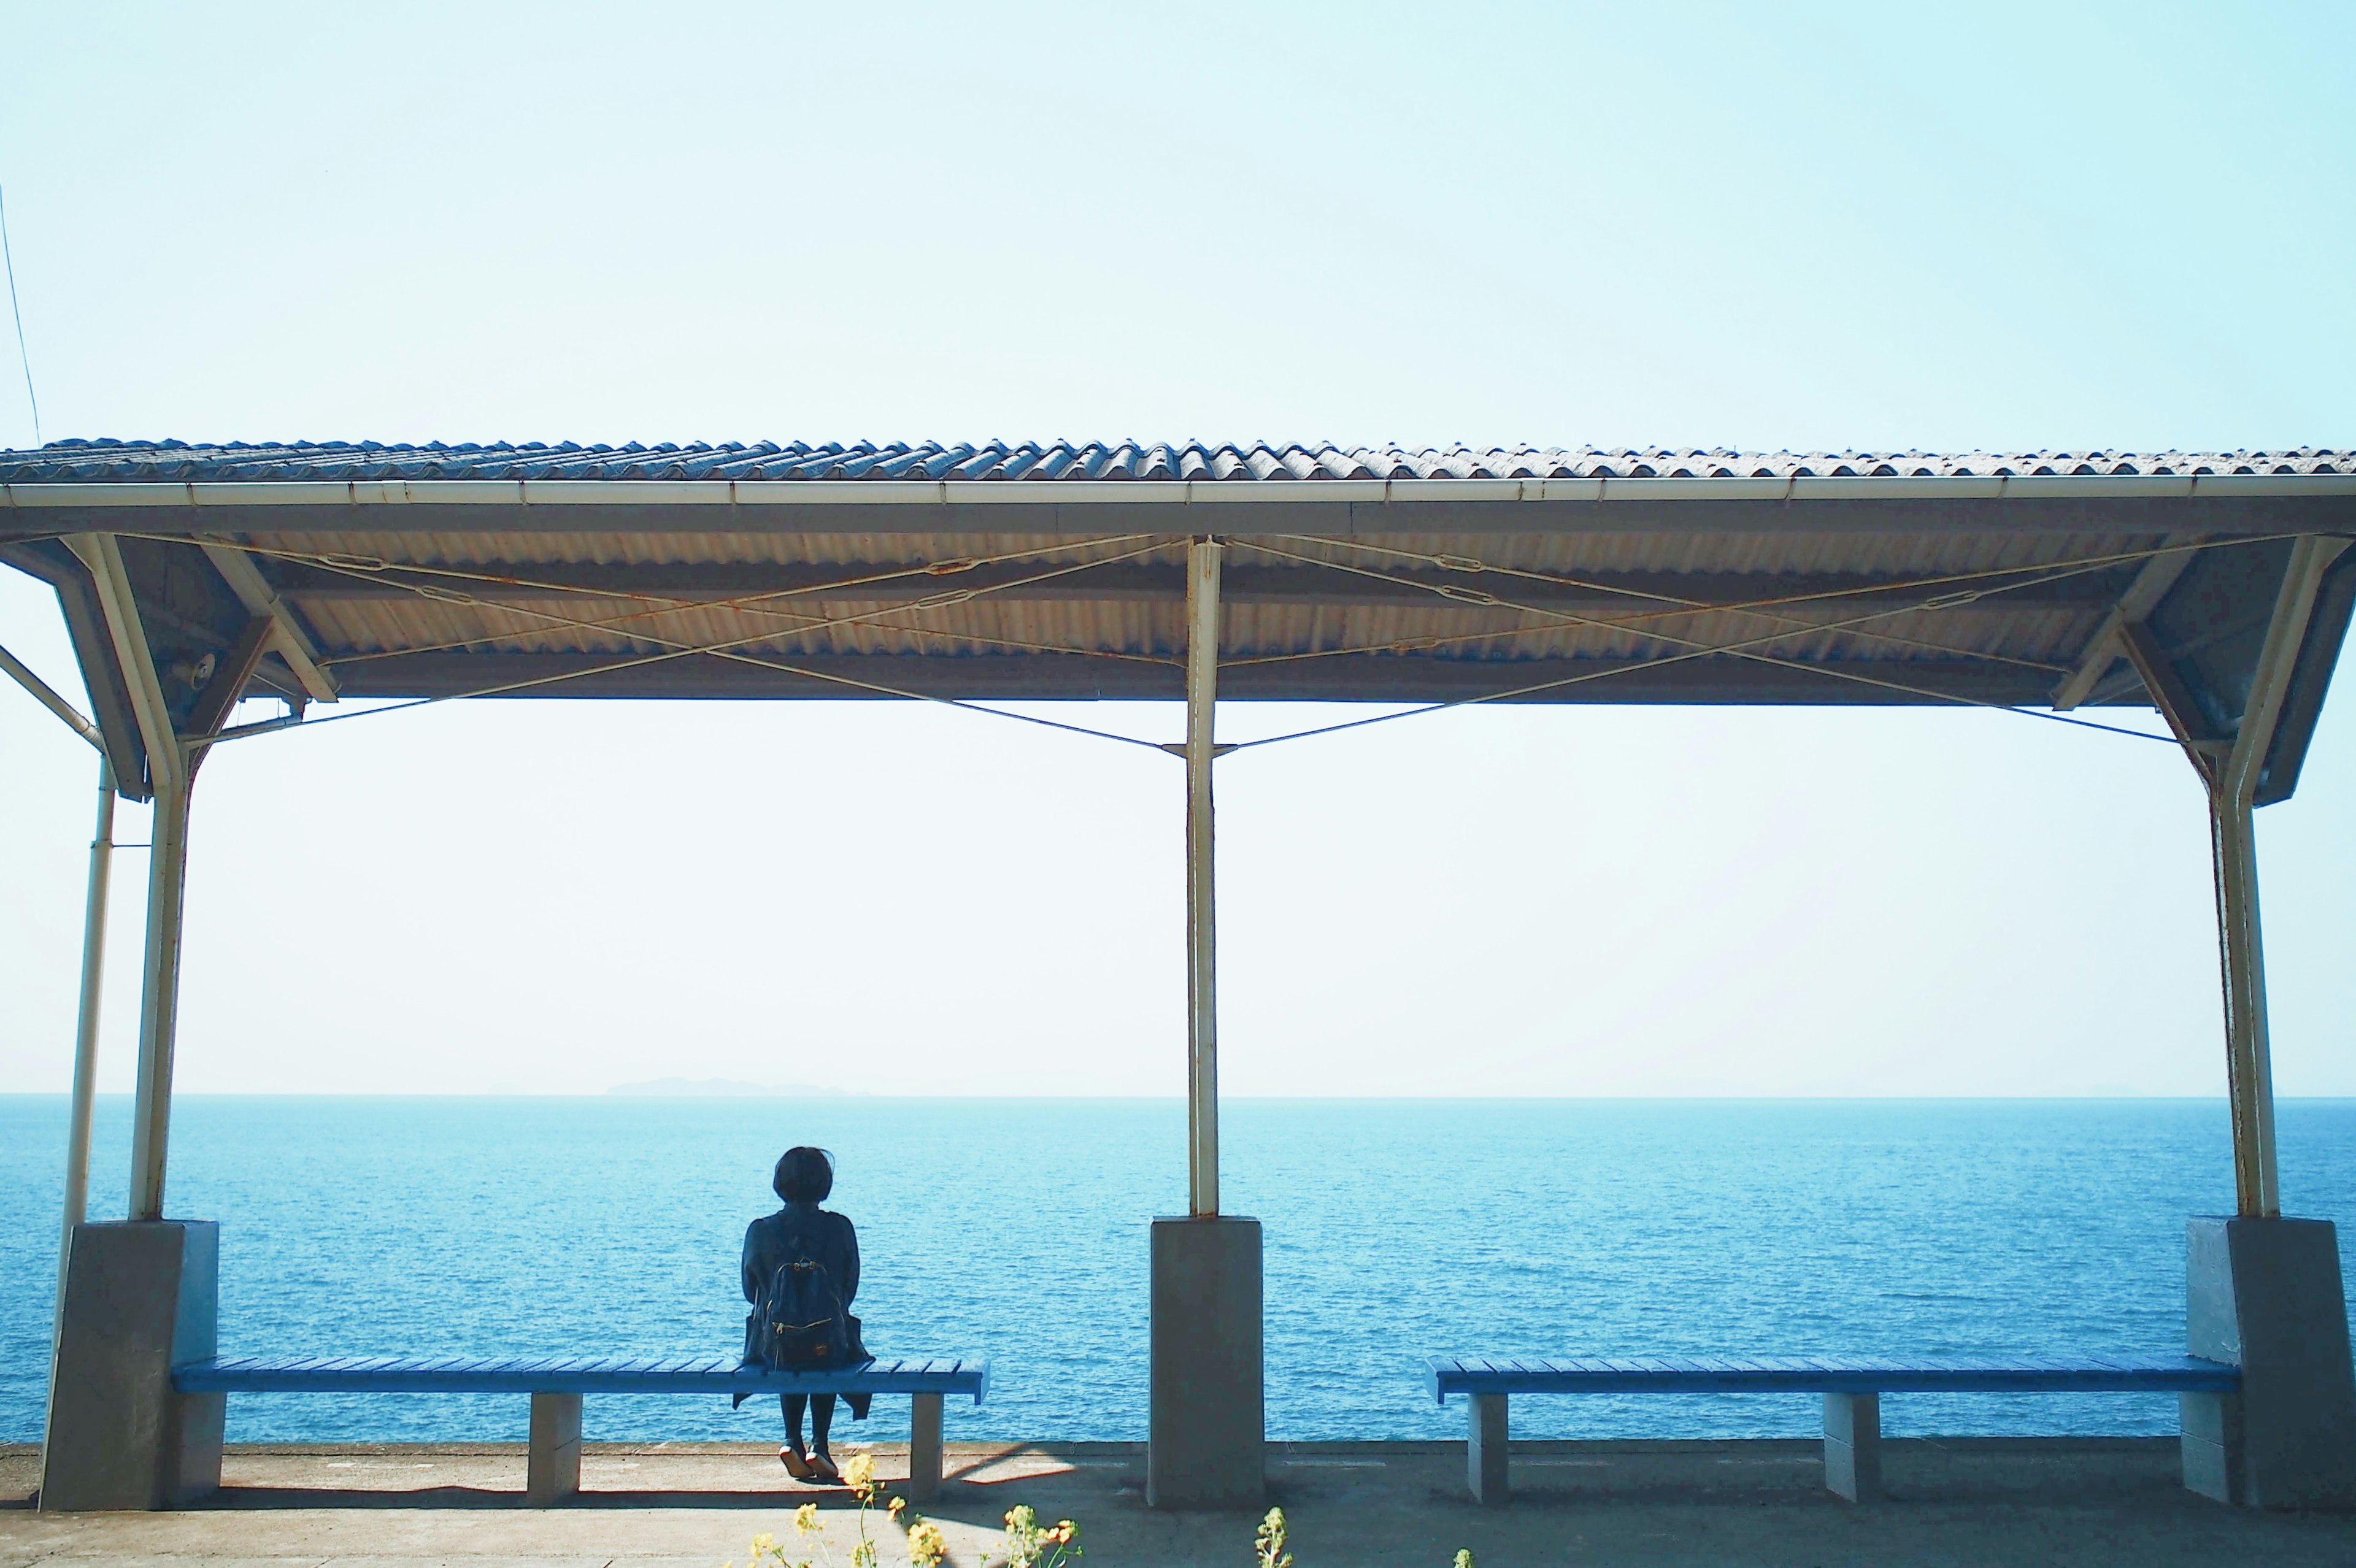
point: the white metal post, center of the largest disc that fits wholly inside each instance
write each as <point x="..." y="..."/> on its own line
<point x="85" y="1073"/>
<point x="1202" y="925"/>
<point x="85" y="1070"/>
<point x="159" y="996"/>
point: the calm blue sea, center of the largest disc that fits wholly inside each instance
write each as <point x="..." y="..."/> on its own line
<point x="1018" y="1230"/>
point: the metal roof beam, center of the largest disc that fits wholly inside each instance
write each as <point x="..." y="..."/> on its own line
<point x="1636" y="592"/>
<point x="2278" y="662"/>
<point x="288" y="638"/>
<point x="2102" y="650"/>
<point x="93" y="647"/>
<point x="2202" y="745"/>
<point x="134" y="656"/>
<point x="1081" y="676"/>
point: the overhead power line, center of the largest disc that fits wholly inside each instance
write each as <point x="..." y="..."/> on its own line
<point x="23" y="358"/>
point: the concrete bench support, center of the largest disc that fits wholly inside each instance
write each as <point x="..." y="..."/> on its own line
<point x="553" y="1471"/>
<point x="1853" y="1446"/>
<point x="1485" y="1451"/>
<point x="925" y="1447"/>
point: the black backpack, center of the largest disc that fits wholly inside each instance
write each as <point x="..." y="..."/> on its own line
<point x="802" y="1321"/>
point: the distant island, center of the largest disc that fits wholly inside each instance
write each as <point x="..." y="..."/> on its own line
<point x="726" y="1089"/>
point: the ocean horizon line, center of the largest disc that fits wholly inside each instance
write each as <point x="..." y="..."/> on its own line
<point x="851" y="1095"/>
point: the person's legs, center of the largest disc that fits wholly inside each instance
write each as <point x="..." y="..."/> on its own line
<point x="791" y="1456"/>
<point x="792" y="1404"/>
<point x="821" y="1417"/>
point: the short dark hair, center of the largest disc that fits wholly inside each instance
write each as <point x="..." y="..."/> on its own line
<point x="805" y="1175"/>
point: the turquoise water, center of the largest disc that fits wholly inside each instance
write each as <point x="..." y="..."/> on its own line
<point x="1016" y="1229"/>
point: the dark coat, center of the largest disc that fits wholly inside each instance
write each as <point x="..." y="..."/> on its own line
<point x="805" y="1230"/>
<point x="801" y="1229"/>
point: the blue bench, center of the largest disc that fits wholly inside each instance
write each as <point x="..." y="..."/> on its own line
<point x="556" y="1385"/>
<point x="1852" y="1392"/>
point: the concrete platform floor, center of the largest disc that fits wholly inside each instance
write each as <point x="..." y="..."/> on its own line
<point x="1369" y="1505"/>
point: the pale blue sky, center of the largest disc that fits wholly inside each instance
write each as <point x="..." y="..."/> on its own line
<point x="1952" y="228"/>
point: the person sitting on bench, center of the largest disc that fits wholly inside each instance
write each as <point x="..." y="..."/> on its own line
<point x="800" y="1271"/>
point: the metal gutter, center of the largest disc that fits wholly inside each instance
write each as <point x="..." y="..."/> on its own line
<point x="1130" y="492"/>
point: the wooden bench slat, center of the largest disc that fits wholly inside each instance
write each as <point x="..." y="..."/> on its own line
<point x="336" y="1364"/>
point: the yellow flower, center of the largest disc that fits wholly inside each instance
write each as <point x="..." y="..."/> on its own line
<point x="861" y="1471"/>
<point x="898" y="1504"/>
<point x="806" y="1518"/>
<point x="927" y="1545"/>
<point x="762" y="1542"/>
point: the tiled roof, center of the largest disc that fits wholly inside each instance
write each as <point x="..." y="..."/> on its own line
<point x="68" y="462"/>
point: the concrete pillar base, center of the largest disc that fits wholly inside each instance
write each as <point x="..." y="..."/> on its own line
<point x="2264" y="1294"/>
<point x="138" y="1298"/>
<point x="1208" y="1420"/>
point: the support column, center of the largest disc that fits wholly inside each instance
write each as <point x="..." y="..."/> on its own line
<point x="1206" y="1420"/>
<point x="170" y="774"/>
<point x="2242" y="963"/>
<point x="1201" y="911"/>
<point x="141" y="1297"/>
<point x="2229" y="767"/>
<point x="159" y="999"/>
<point x="2263" y="1293"/>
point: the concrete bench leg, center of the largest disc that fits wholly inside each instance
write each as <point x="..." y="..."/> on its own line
<point x="1853" y="1446"/>
<point x="2212" y="1446"/>
<point x="554" y="1471"/>
<point x="1485" y="1450"/>
<point x="925" y="1447"/>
